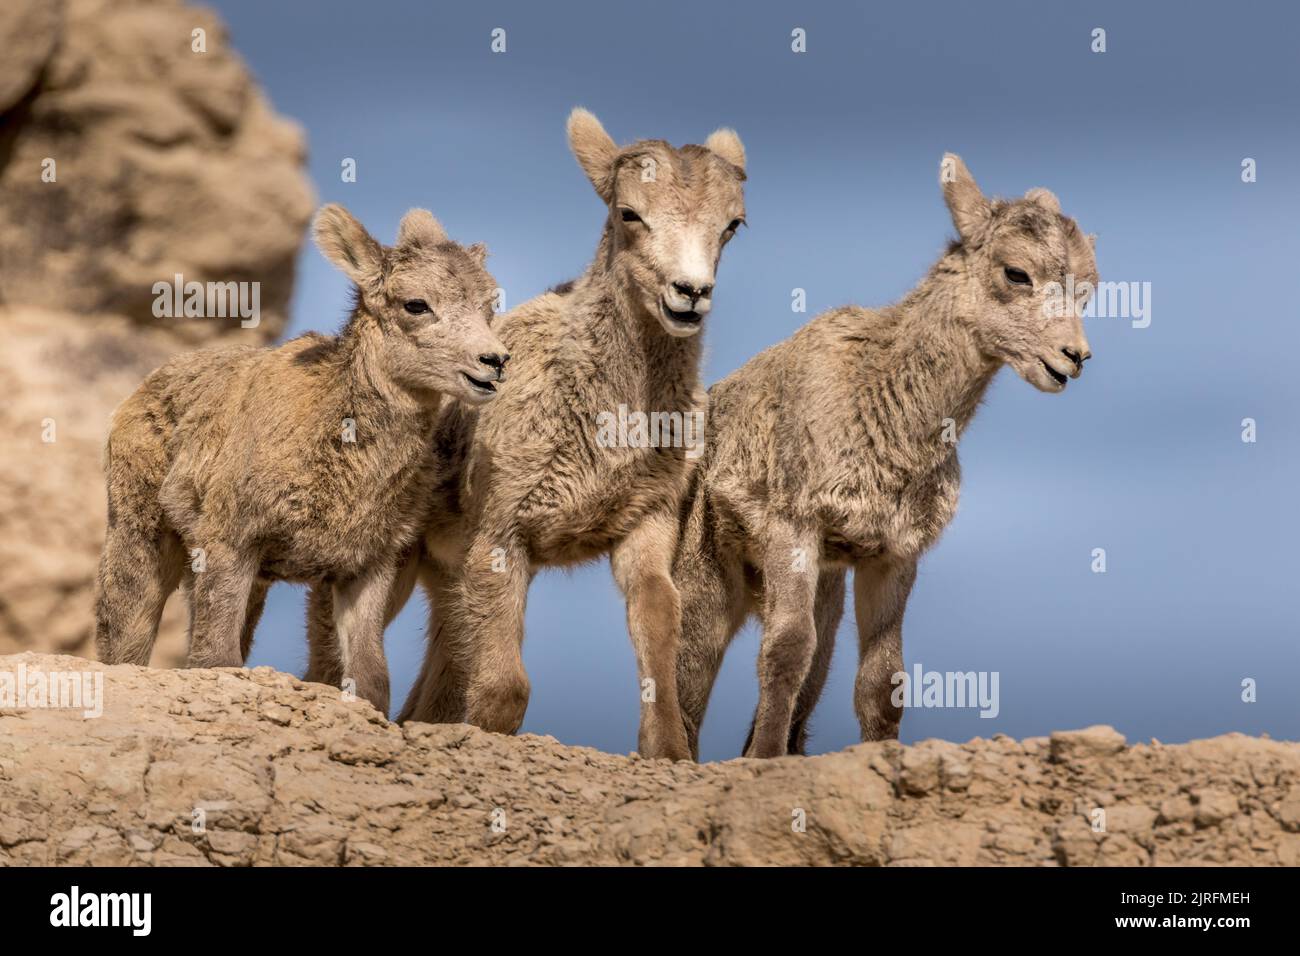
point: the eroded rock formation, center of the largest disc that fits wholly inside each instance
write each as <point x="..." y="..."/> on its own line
<point x="126" y="157"/>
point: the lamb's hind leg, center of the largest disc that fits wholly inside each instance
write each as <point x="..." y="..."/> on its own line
<point x="438" y="696"/>
<point x="789" y="643"/>
<point x="139" y="569"/>
<point x="324" y="664"/>
<point x="880" y="591"/>
<point x="252" y="615"/>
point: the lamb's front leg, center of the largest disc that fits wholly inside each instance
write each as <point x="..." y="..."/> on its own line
<point x="486" y="625"/>
<point x="791" y="566"/>
<point x="880" y="591"/>
<point x="642" y="564"/>
<point x="827" y="612"/>
<point x="218" y="605"/>
<point x="359" y="616"/>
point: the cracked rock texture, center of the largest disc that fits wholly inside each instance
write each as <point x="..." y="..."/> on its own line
<point x="234" y="768"/>
<point x="164" y="160"/>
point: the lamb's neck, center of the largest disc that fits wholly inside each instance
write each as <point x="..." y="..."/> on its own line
<point x="364" y="385"/>
<point x="628" y="341"/>
<point x="923" y="375"/>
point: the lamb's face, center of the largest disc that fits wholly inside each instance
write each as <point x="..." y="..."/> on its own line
<point x="672" y="210"/>
<point x="433" y="299"/>
<point x="437" y="303"/>
<point x="1030" y="273"/>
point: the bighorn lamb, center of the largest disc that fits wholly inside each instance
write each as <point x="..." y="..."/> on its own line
<point x="837" y="449"/>
<point x="231" y="468"/>
<point x="535" y="480"/>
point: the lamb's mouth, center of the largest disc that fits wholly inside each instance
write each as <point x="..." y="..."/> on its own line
<point x="688" y="317"/>
<point x="1057" y="377"/>
<point x="482" y="387"/>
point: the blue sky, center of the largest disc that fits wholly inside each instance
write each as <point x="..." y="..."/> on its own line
<point x="1142" y="456"/>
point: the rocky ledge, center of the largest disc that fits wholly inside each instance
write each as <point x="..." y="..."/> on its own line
<point x="236" y="768"/>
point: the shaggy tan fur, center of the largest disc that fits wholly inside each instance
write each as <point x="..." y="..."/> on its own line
<point x="529" y="483"/>
<point x="837" y="449"/>
<point x="231" y="468"/>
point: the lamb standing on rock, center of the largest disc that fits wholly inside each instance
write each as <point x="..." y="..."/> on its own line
<point x="837" y="449"/>
<point x="231" y="468"/>
<point x="532" y="482"/>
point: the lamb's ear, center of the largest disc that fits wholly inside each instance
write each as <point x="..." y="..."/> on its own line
<point x="345" y="242"/>
<point x="727" y="144"/>
<point x="966" y="203"/>
<point x="593" y="149"/>
<point x="1092" y="240"/>
<point x="479" y="252"/>
<point x="419" y="228"/>
<point x="1045" y="198"/>
<point x="1083" y="253"/>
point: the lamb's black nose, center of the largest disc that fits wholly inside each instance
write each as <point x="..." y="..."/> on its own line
<point x="496" y="360"/>
<point x="693" y="292"/>
<point x="1075" y="357"/>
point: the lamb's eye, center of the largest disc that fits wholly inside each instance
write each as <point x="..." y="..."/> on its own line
<point x="1018" y="276"/>
<point x="416" y="306"/>
<point x="627" y="215"/>
<point x="733" y="226"/>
